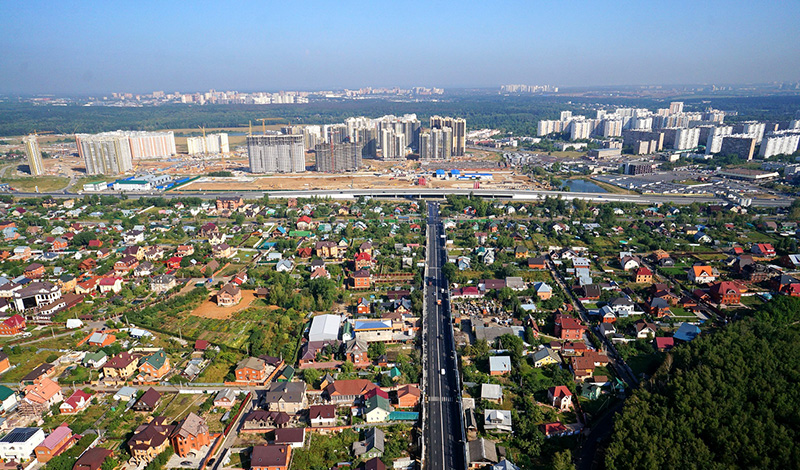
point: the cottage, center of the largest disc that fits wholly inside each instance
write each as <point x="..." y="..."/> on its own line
<point x="560" y="397"/>
<point x="499" y="365"/>
<point x="372" y="446"/>
<point x="76" y="402"/>
<point x="148" y="401"/>
<point x="322" y="416"/>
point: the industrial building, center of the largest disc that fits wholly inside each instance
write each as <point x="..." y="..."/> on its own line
<point x="276" y="153"/>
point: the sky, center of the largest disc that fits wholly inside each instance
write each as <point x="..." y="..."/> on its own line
<point x="78" y="47"/>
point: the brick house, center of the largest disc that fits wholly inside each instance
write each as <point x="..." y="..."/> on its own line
<point x="568" y="327"/>
<point x="361" y="279"/>
<point x="12" y="325"/>
<point x="34" y="271"/>
<point x="643" y="275"/>
<point x="251" y="370"/>
<point x="149" y="440"/>
<point x="725" y="293"/>
<point x="229" y="295"/>
<point x="154" y="366"/>
<point x="191" y="434"/>
<point x="560" y="397"/>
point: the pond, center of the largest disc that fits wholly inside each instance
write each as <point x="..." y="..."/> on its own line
<point x="583" y="186"/>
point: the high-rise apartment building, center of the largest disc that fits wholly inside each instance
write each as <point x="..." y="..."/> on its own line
<point x="393" y="145"/>
<point x="276" y="153"/>
<point x="715" y="135"/>
<point x="581" y="129"/>
<point x="436" y="144"/>
<point x="108" y="153"/>
<point x="752" y="128"/>
<point x="676" y="107"/>
<point x="612" y="127"/>
<point x="458" y="127"/>
<point x="212" y="143"/>
<point x="780" y="143"/>
<point x="34" y="155"/>
<point x="337" y="158"/>
<point x="681" y="138"/>
<point x="740" y="145"/>
<point x="111" y="153"/>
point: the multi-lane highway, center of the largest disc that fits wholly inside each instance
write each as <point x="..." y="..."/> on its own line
<point x="429" y="193"/>
<point x="444" y="442"/>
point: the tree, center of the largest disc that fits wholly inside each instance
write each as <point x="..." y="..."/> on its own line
<point x="563" y="461"/>
<point x="375" y="350"/>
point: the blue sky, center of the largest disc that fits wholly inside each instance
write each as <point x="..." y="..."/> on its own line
<point x="102" y="46"/>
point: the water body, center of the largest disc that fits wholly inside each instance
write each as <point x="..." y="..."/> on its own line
<point x="583" y="186"/>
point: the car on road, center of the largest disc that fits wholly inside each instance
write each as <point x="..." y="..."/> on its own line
<point x="442" y="371"/>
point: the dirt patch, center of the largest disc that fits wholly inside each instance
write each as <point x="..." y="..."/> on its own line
<point x="209" y="309"/>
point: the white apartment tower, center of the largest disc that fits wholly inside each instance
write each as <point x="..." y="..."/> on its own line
<point x="714" y="142"/>
<point x="780" y="143"/>
<point x="212" y="143"/>
<point x="34" y="155"/>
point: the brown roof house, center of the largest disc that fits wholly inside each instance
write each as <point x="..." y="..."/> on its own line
<point x="229" y="295"/>
<point x="149" y="440"/>
<point x="190" y="435"/>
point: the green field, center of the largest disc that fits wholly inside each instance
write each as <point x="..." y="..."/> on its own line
<point x="44" y="183"/>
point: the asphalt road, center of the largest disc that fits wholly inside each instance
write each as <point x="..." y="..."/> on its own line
<point x="399" y="193"/>
<point x="444" y="443"/>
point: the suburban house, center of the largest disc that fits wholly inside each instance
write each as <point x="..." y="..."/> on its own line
<point x="497" y="420"/>
<point x="567" y="327"/>
<point x="499" y="365"/>
<point x="120" y="367"/>
<point x="644" y="329"/>
<point x="372" y="446"/>
<point x="92" y="459"/>
<point x="361" y="279"/>
<point x="39" y="397"/>
<point x="154" y="366"/>
<point x="12" y="325"/>
<point x="270" y="457"/>
<point x="19" y="444"/>
<point x="725" y="293"/>
<point x="702" y="274"/>
<point x="225" y="398"/>
<point x="764" y="250"/>
<point x="293" y="437"/>
<point x="643" y="275"/>
<point x="408" y="396"/>
<point x="190" y="435"/>
<point x="322" y="415"/>
<point x="55" y="444"/>
<point x="544" y="357"/>
<point x="288" y="397"/>
<point x="149" y="440"/>
<point x="230" y="294"/>
<point x="560" y="397"/>
<point x="76" y="403"/>
<point x="148" y="401"/>
<point x="347" y="392"/>
<point x="252" y="370"/>
<point x="492" y="393"/>
<point x="263" y="420"/>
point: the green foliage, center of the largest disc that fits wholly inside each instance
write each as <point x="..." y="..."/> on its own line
<point x="726" y="400"/>
<point x="160" y="460"/>
<point x="221" y="173"/>
<point x="781" y="310"/>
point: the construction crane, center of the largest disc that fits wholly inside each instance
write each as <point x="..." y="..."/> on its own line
<point x="205" y="146"/>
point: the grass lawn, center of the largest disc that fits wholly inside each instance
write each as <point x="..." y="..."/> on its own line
<point x="216" y="371"/>
<point x="672" y="271"/>
<point x="753" y="301"/>
<point x="45" y="183"/>
<point x="324" y="451"/>
<point x="24" y="360"/>
<point x="178" y="406"/>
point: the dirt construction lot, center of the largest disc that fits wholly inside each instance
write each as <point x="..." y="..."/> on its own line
<point x="209" y="309"/>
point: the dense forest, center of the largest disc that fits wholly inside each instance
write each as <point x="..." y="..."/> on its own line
<point x="516" y="114"/>
<point x="727" y="400"/>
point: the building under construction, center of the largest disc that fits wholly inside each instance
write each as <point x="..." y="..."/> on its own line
<point x="338" y="158"/>
<point x="276" y="153"/>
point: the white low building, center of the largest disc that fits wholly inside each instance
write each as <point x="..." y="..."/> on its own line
<point x="19" y="443"/>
